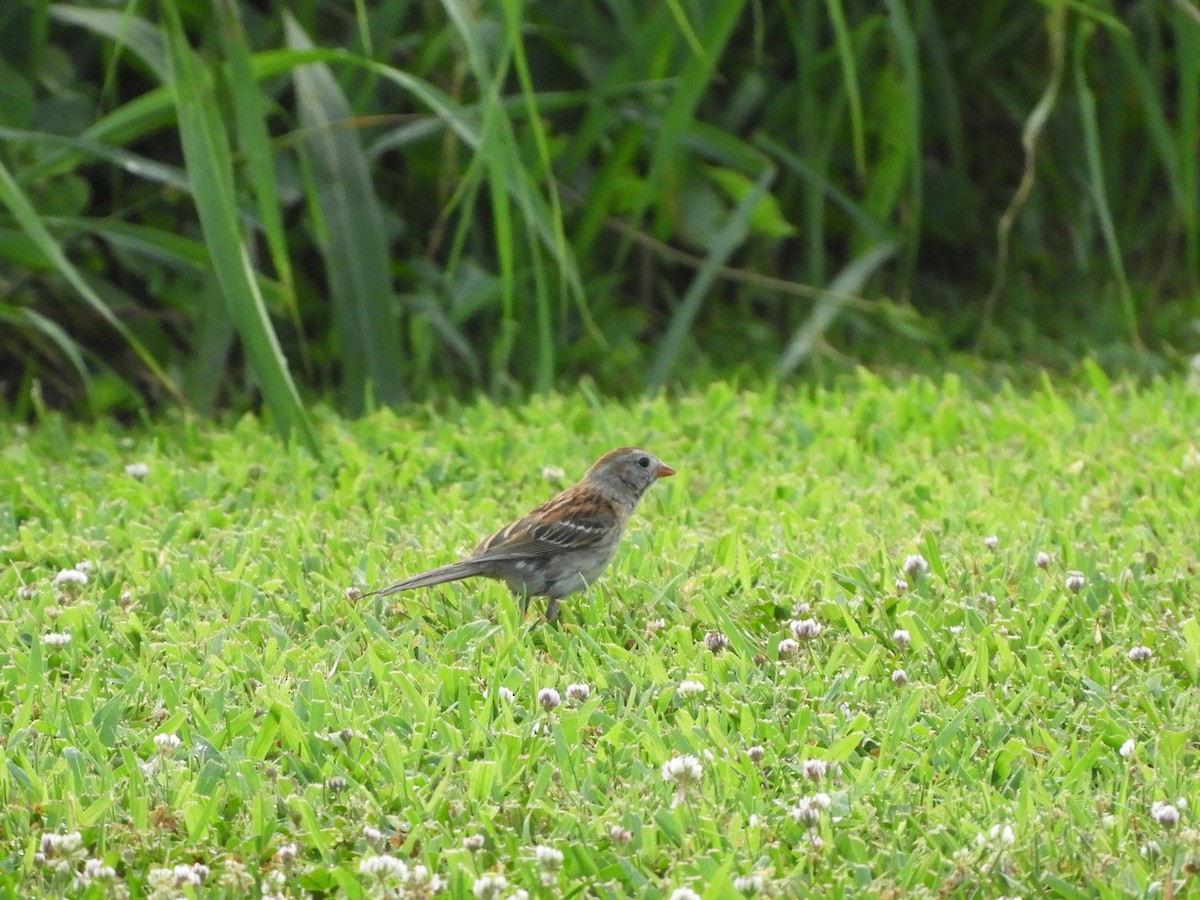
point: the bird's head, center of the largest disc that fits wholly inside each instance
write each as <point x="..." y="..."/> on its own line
<point x="628" y="469"/>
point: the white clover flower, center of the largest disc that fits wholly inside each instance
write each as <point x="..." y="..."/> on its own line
<point x="473" y="843"/>
<point x="548" y="857"/>
<point x="1140" y="654"/>
<point x="489" y="887"/>
<point x="70" y="578"/>
<point x="553" y="474"/>
<point x="749" y="885"/>
<point x="620" y="835"/>
<point x="1128" y="748"/>
<point x="287" y="853"/>
<point x="1075" y="582"/>
<point x="371" y="834"/>
<point x="548" y="698"/>
<point x="578" y="692"/>
<point x="1165" y="814"/>
<point x="915" y="565"/>
<point x="684" y="894"/>
<point x="756" y="753"/>
<point x="383" y="868"/>
<point x="997" y="836"/>
<point x="689" y="688"/>
<point x="684" y="771"/>
<point x="138" y="470"/>
<point x="807" y="811"/>
<point x="86" y="566"/>
<point x="901" y="586"/>
<point x="805" y="629"/>
<point x="422" y="882"/>
<point x="191" y="875"/>
<point x="656" y="625"/>
<point x="61" y="845"/>
<point x="901" y="638"/>
<point x="788" y="648"/>
<point x="56" y="639"/>
<point x="160" y="879"/>
<point x="814" y="769"/>
<point x="715" y="641"/>
<point x="899" y="677"/>
<point x="991" y="542"/>
<point x="1042" y="560"/>
<point x="94" y="870"/>
<point x="167" y="744"/>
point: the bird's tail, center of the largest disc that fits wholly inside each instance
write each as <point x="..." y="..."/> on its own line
<point x="454" y="571"/>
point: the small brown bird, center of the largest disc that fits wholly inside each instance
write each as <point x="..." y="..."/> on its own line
<point x="566" y="543"/>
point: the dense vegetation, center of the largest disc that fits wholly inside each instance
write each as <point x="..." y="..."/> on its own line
<point x="204" y="202"/>
<point x="960" y="631"/>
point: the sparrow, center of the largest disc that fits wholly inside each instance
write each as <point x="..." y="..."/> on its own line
<point x="563" y="545"/>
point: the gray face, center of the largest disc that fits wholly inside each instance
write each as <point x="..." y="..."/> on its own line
<point x="631" y="468"/>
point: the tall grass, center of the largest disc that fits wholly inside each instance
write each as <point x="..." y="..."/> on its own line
<point x="400" y="200"/>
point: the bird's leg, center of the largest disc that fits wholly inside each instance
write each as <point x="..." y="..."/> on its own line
<point x="551" y="609"/>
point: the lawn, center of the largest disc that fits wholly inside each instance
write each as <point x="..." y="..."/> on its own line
<point x="891" y="639"/>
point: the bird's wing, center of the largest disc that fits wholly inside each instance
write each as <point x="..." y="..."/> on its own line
<point x="573" y="520"/>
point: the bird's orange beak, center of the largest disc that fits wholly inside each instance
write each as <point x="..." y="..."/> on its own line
<point x="664" y="471"/>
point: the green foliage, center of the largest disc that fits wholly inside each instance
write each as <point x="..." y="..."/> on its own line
<point x="316" y="730"/>
<point x="270" y="201"/>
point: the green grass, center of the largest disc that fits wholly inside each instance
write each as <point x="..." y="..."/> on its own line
<point x="217" y="612"/>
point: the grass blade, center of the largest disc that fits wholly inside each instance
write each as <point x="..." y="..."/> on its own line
<point x="53" y="332"/>
<point x="27" y="218"/>
<point x="910" y="67"/>
<point x="122" y="28"/>
<point x="255" y="143"/>
<point x="845" y="52"/>
<point x="1095" y="168"/>
<point x="728" y="239"/>
<point x="849" y="281"/>
<point x="210" y="169"/>
<point x="694" y="79"/>
<point x="354" y="243"/>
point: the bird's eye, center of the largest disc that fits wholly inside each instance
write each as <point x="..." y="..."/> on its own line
<point x="644" y="462"/>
